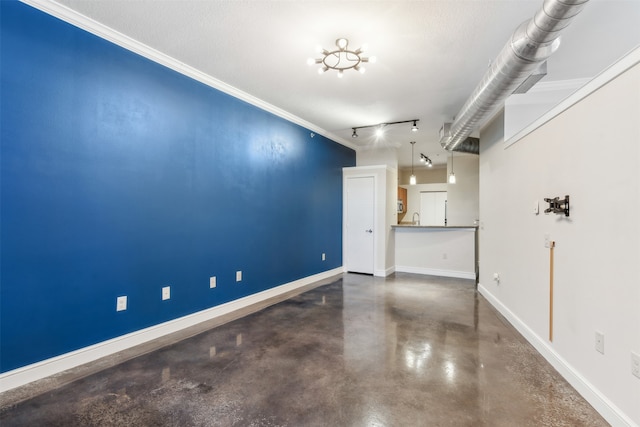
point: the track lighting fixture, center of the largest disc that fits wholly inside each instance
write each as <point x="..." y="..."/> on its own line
<point x="380" y="127"/>
<point x="427" y="161"/>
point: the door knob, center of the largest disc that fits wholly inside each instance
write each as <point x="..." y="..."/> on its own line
<point x="368" y="231"/>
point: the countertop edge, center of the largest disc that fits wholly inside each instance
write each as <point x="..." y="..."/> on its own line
<point x="441" y="227"/>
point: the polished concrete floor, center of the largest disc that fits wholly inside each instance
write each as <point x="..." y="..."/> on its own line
<point x="407" y="350"/>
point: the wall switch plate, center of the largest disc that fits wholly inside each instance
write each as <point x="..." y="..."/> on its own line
<point x="496" y="277"/>
<point x="635" y="364"/>
<point x="238" y="276"/>
<point x="212" y="282"/>
<point x="121" y="303"/>
<point x="536" y="208"/>
<point x="324" y="256"/>
<point x="166" y="293"/>
<point x="600" y="342"/>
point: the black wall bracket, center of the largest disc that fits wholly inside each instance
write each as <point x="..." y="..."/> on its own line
<point x="558" y="206"/>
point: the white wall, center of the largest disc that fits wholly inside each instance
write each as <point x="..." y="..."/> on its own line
<point x="463" y="203"/>
<point x="386" y="156"/>
<point x="391" y="218"/>
<point x="522" y="109"/>
<point x="591" y="152"/>
<point x="424" y="175"/>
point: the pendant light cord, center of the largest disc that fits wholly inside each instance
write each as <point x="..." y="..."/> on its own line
<point x="412" y="145"/>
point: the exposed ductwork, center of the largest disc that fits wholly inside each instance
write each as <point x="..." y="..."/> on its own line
<point x="532" y="43"/>
<point x="469" y="145"/>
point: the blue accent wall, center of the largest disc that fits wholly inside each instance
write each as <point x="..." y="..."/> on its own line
<point x="120" y="176"/>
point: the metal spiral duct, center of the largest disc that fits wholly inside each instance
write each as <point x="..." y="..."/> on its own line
<point x="532" y="43"/>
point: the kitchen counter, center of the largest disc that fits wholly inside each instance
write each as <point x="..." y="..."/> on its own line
<point x="452" y="227"/>
<point x="449" y="251"/>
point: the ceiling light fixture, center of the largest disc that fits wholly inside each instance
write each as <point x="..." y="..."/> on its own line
<point x="341" y="58"/>
<point x="412" y="178"/>
<point x="452" y="176"/>
<point x="380" y="127"/>
<point x="426" y="160"/>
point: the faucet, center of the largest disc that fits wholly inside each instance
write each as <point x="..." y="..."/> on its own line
<point x="414" y="218"/>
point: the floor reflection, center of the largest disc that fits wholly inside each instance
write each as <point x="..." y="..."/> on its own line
<point x="361" y="351"/>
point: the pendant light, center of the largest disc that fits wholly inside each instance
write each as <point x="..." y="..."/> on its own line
<point x="452" y="176"/>
<point x="412" y="178"/>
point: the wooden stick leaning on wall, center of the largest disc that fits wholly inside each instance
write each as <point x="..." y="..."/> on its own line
<point x="552" y="245"/>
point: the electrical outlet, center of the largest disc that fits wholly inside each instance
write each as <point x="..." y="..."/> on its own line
<point x="600" y="342"/>
<point x="496" y="277"/>
<point x="635" y="364"/>
<point x="444" y="256"/>
<point x="324" y="256"/>
<point x="166" y="293"/>
<point x="238" y="276"/>
<point x="121" y="303"/>
<point x="547" y="240"/>
<point x="212" y="282"/>
<point x="536" y="208"/>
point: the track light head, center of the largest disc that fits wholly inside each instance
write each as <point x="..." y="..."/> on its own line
<point x="354" y="134"/>
<point x="414" y="128"/>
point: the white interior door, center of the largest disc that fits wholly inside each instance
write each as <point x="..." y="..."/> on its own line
<point x="433" y="208"/>
<point x="359" y="219"/>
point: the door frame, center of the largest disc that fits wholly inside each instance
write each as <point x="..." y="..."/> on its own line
<point x="376" y="228"/>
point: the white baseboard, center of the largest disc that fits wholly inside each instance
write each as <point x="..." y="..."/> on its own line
<point x="436" y="272"/>
<point x="384" y="273"/>
<point x="604" y="406"/>
<point x="26" y="374"/>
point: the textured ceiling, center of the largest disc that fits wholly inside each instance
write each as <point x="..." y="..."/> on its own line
<point x="431" y="54"/>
